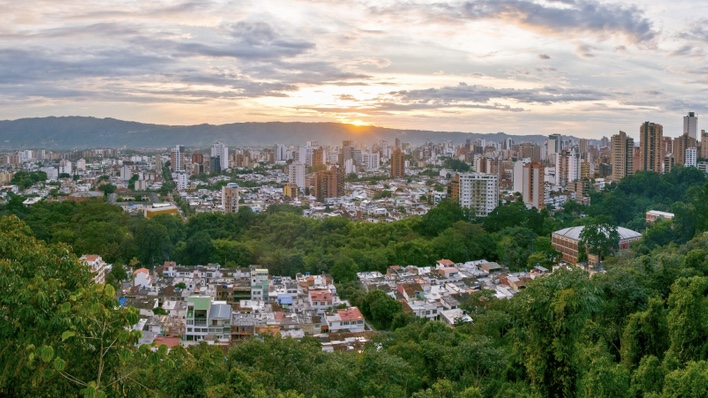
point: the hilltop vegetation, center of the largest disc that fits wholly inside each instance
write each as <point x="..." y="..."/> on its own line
<point x="638" y="330"/>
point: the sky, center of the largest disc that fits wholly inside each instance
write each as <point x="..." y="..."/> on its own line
<point x="586" y="68"/>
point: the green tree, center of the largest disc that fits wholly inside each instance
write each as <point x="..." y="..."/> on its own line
<point x="687" y="319"/>
<point x="553" y="311"/>
<point x="62" y="334"/>
<point x="380" y="309"/>
<point x="600" y="239"/>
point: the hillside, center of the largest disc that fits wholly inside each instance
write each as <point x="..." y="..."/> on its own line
<point x="84" y="132"/>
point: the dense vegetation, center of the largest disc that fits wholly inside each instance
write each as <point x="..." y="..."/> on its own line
<point x="639" y="330"/>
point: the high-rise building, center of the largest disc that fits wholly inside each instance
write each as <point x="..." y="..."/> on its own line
<point x="177" y="158"/>
<point x="651" y="157"/>
<point x="691" y="159"/>
<point x="533" y="190"/>
<point x="621" y="156"/>
<point x="182" y="180"/>
<point x="681" y="144"/>
<point x="373" y="161"/>
<point x="215" y="165"/>
<point x="280" y="153"/>
<point x="296" y="174"/>
<point x="304" y="155"/>
<point x="318" y="157"/>
<point x="222" y="152"/>
<point x="476" y="191"/>
<point x="567" y="167"/>
<point x="398" y="164"/>
<point x="197" y="158"/>
<point x="690" y="125"/>
<point x="230" y="197"/>
<point x="704" y="144"/>
<point x="329" y="183"/>
<point x="531" y="151"/>
<point x="518" y="176"/>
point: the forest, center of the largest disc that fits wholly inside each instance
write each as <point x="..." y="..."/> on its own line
<point x="638" y="330"/>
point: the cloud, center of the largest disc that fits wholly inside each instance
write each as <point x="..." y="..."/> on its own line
<point x="585" y="50"/>
<point x="558" y="18"/>
<point x="580" y="16"/>
<point x="482" y="94"/>
<point x="544" y="56"/>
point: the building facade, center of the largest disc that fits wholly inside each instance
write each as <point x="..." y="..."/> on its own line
<point x="651" y="156"/>
<point x="230" y="197"/>
<point x="476" y="191"/>
<point x="533" y="185"/>
<point x="621" y="155"/>
<point x="398" y="164"/>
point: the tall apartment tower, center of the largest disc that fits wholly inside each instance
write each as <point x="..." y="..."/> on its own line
<point x="680" y="145"/>
<point x="704" y="144"/>
<point x="651" y="157"/>
<point x="296" y="174"/>
<point x="476" y="191"/>
<point x="690" y="125"/>
<point x="329" y="183"/>
<point x="621" y="156"/>
<point x="230" y="197"/>
<point x="177" y="158"/>
<point x="398" y="164"/>
<point x="533" y="190"/>
<point x="222" y="152"/>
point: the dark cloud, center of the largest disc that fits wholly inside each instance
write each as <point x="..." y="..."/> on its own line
<point x="544" y="56"/>
<point x="560" y="17"/>
<point x="481" y="94"/>
<point x="576" y="16"/>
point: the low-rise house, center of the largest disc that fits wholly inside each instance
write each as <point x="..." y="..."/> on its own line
<point x="349" y="319"/>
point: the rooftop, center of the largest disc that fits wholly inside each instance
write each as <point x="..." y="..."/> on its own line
<point x="574" y="233"/>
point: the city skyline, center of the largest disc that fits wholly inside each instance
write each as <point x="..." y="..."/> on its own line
<point x="575" y="67"/>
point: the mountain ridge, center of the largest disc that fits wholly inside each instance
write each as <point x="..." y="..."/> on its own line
<point x="74" y="132"/>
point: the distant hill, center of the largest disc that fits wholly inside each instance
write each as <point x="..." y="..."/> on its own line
<point x="76" y="132"/>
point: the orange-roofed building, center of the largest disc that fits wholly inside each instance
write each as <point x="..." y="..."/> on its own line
<point x="349" y="319"/>
<point x="445" y="263"/>
<point x="320" y="300"/>
<point x="141" y="277"/>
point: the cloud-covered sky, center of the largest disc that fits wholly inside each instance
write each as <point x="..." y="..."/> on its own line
<point x="583" y="67"/>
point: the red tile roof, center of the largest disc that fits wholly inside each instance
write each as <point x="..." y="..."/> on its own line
<point x="350" y="314"/>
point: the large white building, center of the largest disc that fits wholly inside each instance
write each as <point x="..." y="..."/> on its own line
<point x="691" y="157"/>
<point x="181" y="180"/>
<point x="222" y="152"/>
<point x="690" y="123"/>
<point x="296" y="174"/>
<point x="476" y="191"/>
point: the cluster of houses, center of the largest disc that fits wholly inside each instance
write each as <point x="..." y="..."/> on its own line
<point x="437" y="292"/>
<point x="222" y="306"/>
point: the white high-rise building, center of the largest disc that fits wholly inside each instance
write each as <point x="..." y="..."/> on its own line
<point x="65" y="166"/>
<point x="81" y="164"/>
<point x="182" y="180"/>
<point x="373" y="161"/>
<point x="281" y="153"/>
<point x="518" y="176"/>
<point x="222" y="151"/>
<point x="296" y="174"/>
<point x="304" y="155"/>
<point x="690" y="125"/>
<point x="691" y="157"/>
<point x="476" y="191"/>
